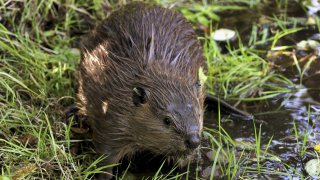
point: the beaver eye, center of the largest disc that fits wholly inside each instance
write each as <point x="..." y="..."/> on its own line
<point x="167" y="121"/>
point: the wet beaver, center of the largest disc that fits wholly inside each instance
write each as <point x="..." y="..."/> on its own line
<point x="139" y="84"/>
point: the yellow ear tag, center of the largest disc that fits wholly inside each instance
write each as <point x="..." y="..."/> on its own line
<point x="317" y="148"/>
<point x="202" y="77"/>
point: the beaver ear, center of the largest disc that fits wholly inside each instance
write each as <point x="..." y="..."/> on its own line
<point x="139" y="96"/>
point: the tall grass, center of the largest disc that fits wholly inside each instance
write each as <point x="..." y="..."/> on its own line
<point x="37" y="78"/>
<point x="242" y="74"/>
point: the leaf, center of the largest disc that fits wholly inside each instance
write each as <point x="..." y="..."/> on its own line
<point x="317" y="148"/>
<point x="203" y="20"/>
<point x="24" y="171"/>
<point x="306" y="45"/>
<point x="223" y="34"/>
<point x="28" y="139"/>
<point x="313" y="167"/>
<point x="4" y="178"/>
<point x="214" y="16"/>
<point x="202" y="76"/>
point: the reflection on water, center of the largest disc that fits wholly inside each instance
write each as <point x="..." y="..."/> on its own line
<point x="305" y="111"/>
<point x="281" y="114"/>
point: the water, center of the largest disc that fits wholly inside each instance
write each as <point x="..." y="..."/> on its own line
<point x="299" y="108"/>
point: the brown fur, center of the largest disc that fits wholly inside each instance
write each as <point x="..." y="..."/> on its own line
<point x="141" y="46"/>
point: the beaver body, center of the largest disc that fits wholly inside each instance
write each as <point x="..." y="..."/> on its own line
<point x="139" y="84"/>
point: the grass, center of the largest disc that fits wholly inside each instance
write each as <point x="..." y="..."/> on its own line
<point x="38" y="62"/>
<point x="301" y="139"/>
<point x="227" y="73"/>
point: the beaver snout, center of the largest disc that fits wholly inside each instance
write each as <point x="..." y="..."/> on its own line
<point x="192" y="141"/>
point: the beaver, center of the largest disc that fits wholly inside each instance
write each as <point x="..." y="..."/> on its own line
<point x="140" y="86"/>
<point x="139" y="83"/>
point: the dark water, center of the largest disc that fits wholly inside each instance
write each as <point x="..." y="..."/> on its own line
<point x="300" y="107"/>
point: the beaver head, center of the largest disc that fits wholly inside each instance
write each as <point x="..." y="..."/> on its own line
<point x="168" y="113"/>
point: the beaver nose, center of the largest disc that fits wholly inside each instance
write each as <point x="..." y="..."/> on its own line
<point x="192" y="141"/>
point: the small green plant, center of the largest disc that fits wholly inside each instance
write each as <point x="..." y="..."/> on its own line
<point x="206" y="12"/>
<point x="227" y="73"/>
<point x="303" y="138"/>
